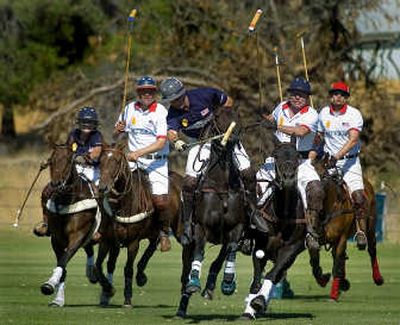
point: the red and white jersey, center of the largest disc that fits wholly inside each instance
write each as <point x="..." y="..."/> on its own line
<point x="336" y="126"/>
<point x="307" y="117"/>
<point x="144" y="127"/>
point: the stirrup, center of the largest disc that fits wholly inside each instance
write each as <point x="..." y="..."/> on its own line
<point x="311" y="242"/>
<point x="361" y="240"/>
<point x="259" y="223"/>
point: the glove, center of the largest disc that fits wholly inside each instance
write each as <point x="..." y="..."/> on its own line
<point x="81" y="160"/>
<point x="180" y="145"/>
<point x="331" y="163"/>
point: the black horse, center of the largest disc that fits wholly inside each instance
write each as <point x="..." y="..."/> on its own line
<point x="72" y="211"/>
<point x="284" y="210"/>
<point x="219" y="216"/>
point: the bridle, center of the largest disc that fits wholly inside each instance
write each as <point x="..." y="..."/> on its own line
<point x="61" y="185"/>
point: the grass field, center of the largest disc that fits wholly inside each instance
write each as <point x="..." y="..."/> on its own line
<point x="26" y="262"/>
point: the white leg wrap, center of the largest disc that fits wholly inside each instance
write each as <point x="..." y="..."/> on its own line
<point x="248" y="309"/>
<point x="230" y="267"/>
<point x="266" y="290"/>
<point x="110" y="277"/>
<point x="59" y="299"/>
<point x="56" y="276"/>
<point x="196" y="266"/>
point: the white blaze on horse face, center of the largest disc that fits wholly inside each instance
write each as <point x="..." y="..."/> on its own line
<point x="109" y="154"/>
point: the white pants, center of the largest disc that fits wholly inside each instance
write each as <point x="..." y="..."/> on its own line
<point x="197" y="161"/>
<point x="305" y="174"/>
<point x="352" y="173"/>
<point x="158" y="173"/>
<point x="91" y="173"/>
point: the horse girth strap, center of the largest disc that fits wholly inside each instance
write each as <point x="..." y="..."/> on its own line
<point x="135" y="218"/>
<point x="72" y="208"/>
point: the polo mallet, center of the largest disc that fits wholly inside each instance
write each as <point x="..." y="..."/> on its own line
<point x="131" y="20"/>
<point x="278" y="73"/>
<point x="43" y="166"/>
<point x="227" y="134"/>
<point x="252" y="30"/>
<point x="303" y="51"/>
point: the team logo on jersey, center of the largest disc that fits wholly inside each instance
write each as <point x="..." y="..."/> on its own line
<point x="185" y="122"/>
<point x="74" y="147"/>
<point x="133" y="120"/>
<point x="205" y="111"/>
<point x="328" y="124"/>
<point x="346" y="124"/>
<point x="280" y="121"/>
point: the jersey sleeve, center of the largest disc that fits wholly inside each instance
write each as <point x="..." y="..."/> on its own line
<point x="356" y="122"/>
<point x="161" y="123"/>
<point x="310" y="120"/>
<point x="96" y="139"/>
<point x="219" y="97"/>
<point x="173" y="121"/>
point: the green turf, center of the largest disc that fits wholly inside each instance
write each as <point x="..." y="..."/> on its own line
<point x="26" y="261"/>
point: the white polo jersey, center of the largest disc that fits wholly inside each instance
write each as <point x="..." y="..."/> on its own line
<point x="144" y="127"/>
<point x="336" y="127"/>
<point x="307" y="117"/>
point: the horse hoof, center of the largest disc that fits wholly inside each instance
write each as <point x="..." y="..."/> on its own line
<point x="91" y="274"/>
<point x="127" y="304"/>
<point x="379" y="281"/>
<point x="47" y="289"/>
<point x="228" y="288"/>
<point x="56" y="303"/>
<point x="141" y="279"/>
<point x="247" y="316"/>
<point x="181" y="314"/>
<point x="344" y="285"/>
<point x="323" y="280"/>
<point x="207" y="294"/>
<point x="259" y="304"/>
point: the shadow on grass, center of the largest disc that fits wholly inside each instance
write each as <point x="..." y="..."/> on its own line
<point x="195" y="319"/>
<point x="117" y="306"/>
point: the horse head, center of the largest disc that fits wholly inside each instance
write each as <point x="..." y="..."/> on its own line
<point x="114" y="171"/>
<point x="287" y="161"/>
<point x="61" y="166"/>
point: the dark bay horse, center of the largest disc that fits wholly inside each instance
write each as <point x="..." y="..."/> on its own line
<point x="129" y="217"/>
<point x="72" y="212"/>
<point x="284" y="210"/>
<point x="219" y="215"/>
<point x="338" y="226"/>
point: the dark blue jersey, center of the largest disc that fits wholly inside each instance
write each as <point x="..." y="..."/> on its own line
<point x="95" y="139"/>
<point x="202" y="102"/>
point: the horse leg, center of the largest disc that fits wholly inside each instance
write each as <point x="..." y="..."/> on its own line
<point x="258" y="268"/>
<point x="321" y="278"/>
<point x="59" y="299"/>
<point x="215" y="267"/>
<point x="338" y="270"/>
<point x="228" y="284"/>
<point x="112" y="262"/>
<point x="187" y="258"/>
<point x="133" y="248"/>
<point x="371" y="238"/>
<point x="285" y="258"/>
<point x="50" y="285"/>
<point x="90" y="272"/>
<point x="141" y="278"/>
<point x="193" y="285"/>
<point x="107" y="288"/>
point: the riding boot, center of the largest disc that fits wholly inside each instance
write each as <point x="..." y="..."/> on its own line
<point x="315" y="198"/>
<point x="42" y="229"/>
<point x="250" y="185"/>
<point x="188" y="191"/>
<point x="360" y="204"/>
<point x="164" y="217"/>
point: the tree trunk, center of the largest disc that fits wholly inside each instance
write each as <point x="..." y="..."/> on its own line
<point x="7" y="123"/>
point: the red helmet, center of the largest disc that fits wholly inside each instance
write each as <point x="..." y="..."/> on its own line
<point x="341" y="87"/>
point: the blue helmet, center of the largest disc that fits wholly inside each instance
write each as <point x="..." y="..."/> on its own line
<point x="299" y="84"/>
<point x="87" y="118"/>
<point x="146" y="82"/>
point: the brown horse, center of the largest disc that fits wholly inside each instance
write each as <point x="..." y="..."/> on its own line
<point x="129" y="217"/>
<point x="339" y="225"/>
<point x="71" y="209"/>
